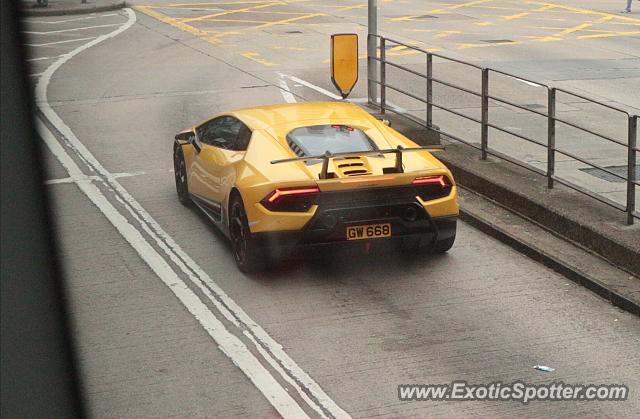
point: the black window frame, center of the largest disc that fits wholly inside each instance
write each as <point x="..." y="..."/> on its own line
<point x="232" y="144"/>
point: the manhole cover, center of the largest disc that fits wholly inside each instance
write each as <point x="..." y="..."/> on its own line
<point x="534" y="106"/>
<point x="426" y="17"/>
<point x="619" y="170"/>
<point x="496" y="41"/>
<point x="293" y="32"/>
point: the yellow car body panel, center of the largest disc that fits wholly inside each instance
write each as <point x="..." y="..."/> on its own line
<point x="214" y="173"/>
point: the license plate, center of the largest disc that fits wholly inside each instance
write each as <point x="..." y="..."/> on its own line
<point x="371" y="231"/>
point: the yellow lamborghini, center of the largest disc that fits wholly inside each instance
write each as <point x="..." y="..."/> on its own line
<point x="280" y="176"/>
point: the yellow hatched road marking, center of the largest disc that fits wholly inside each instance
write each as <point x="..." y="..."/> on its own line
<point x="260" y="6"/>
<point x="584" y="11"/>
<point x="529" y="12"/>
<point x="269" y="12"/>
<point x="440" y="10"/>
<point x="544" y="38"/>
<point x="346" y="8"/>
<point x="466" y="46"/>
<point x="583" y="26"/>
<point x="254" y="56"/>
<point x="148" y="10"/>
<point x="231" y="3"/>
<point x="609" y="35"/>
<point x="446" y="34"/>
<point x="286" y="21"/>
<point x="238" y="21"/>
<point x="229" y="12"/>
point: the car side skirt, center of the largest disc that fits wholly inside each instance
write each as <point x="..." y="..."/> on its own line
<point x="213" y="210"/>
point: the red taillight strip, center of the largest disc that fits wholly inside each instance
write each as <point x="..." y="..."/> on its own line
<point x="442" y="180"/>
<point x="275" y="195"/>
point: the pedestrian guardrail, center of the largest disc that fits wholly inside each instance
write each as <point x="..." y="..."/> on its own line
<point x="484" y="96"/>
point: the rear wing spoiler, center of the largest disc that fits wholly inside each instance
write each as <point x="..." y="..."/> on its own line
<point x="326" y="156"/>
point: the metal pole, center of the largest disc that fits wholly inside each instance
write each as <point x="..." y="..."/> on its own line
<point x="551" y="136"/>
<point x="429" y="91"/>
<point x="631" y="169"/>
<point x="484" y="136"/>
<point x="372" y="43"/>
<point x="383" y="77"/>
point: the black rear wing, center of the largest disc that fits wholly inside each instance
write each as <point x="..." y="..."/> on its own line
<point x="326" y="156"/>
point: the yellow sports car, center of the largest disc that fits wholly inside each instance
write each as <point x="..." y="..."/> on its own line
<point x="280" y="176"/>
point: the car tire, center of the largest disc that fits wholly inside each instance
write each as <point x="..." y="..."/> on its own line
<point x="442" y="246"/>
<point x="180" y="172"/>
<point x="246" y="254"/>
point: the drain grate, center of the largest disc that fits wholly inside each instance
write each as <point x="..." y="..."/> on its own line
<point x="619" y="170"/>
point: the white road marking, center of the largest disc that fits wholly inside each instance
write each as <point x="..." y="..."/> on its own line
<point x="59" y="181"/>
<point x="313" y="87"/>
<point x="72" y="29"/>
<point x="227" y="342"/>
<point x="53" y="22"/>
<point x="44" y="58"/>
<point x="308" y="389"/>
<point x="284" y="89"/>
<point x="61" y="42"/>
<point x="35" y="74"/>
<point x="89" y="178"/>
<point x="332" y="95"/>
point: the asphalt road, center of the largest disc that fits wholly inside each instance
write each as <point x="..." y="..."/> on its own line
<point x="167" y="326"/>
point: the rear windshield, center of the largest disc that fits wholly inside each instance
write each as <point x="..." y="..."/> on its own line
<point x="318" y="139"/>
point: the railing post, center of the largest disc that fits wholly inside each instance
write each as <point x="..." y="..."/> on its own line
<point x="371" y="87"/>
<point x="372" y="46"/>
<point x="429" y="91"/>
<point x="631" y="169"/>
<point x="484" y="137"/>
<point x="383" y="76"/>
<point x="551" y="136"/>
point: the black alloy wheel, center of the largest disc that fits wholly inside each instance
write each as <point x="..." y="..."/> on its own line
<point x="180" y="172"/>
<point x="245" y="253"/>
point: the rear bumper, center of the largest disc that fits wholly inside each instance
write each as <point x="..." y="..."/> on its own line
<point x="428" y="230"/>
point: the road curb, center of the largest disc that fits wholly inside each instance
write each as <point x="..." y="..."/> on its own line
<point x="534" y="252"/>
<point x="556" y="219"/>
<point x="35" y="11"/>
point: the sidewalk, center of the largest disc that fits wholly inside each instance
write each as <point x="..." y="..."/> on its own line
<point x="69" y="7"/>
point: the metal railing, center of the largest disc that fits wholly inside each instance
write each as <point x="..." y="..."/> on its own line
<point x="485" y="124"/>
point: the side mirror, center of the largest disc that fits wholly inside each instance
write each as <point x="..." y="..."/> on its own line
<point x="188" y="138"/>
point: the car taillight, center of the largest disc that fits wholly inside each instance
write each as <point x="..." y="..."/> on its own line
<point x="432" y="187"/>
<point x="291" y="199"/>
